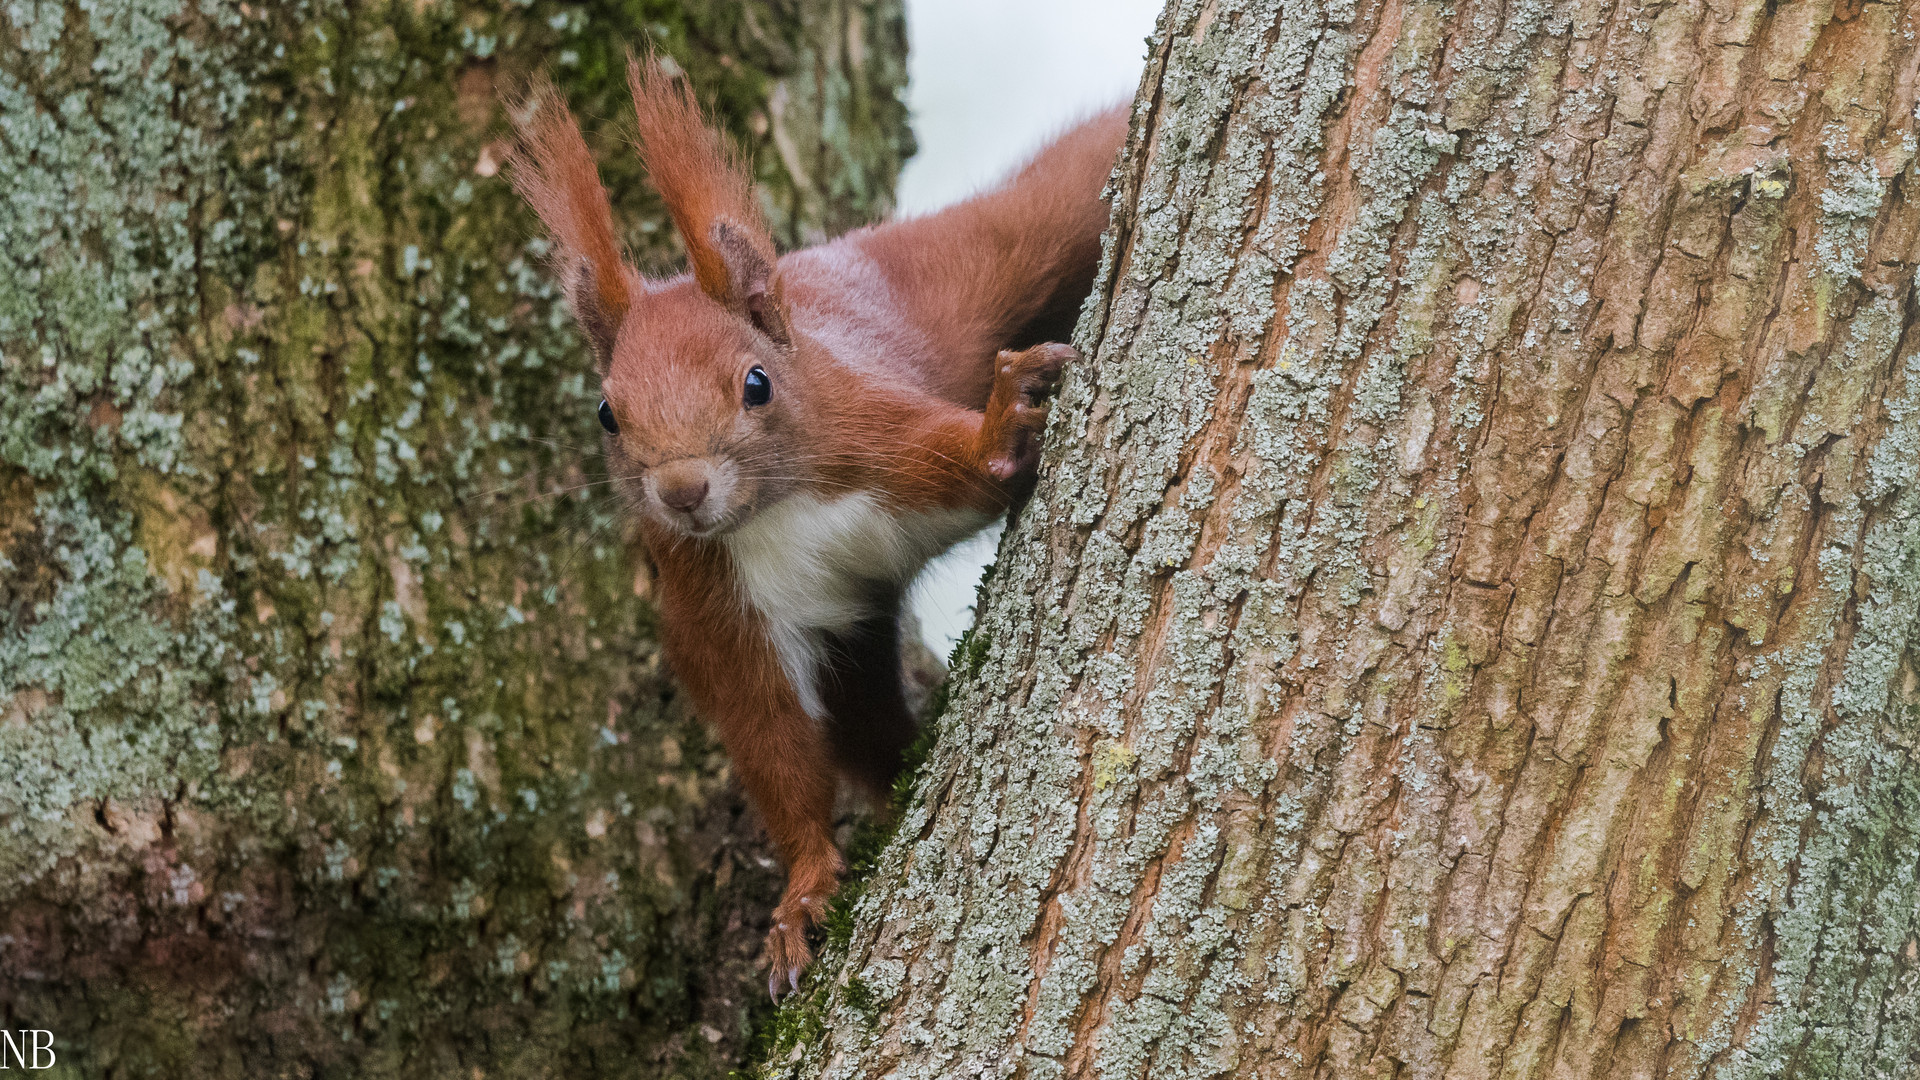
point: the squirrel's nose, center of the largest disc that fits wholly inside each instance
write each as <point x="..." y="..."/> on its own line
<point x="684" y="484"/>
<point x="685" y="495"/>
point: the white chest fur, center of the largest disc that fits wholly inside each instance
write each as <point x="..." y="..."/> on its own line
<point x="811" y="565"/>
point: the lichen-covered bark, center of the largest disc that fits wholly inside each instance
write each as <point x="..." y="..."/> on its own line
<point x="333" y="739"/>
<point x="1467" y="623"/>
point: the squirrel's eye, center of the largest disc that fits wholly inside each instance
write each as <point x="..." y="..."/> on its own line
<point x="606" y="418"/>
<point x="759" y="389"/>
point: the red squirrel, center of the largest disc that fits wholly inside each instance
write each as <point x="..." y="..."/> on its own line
<point x="798" y="434"/>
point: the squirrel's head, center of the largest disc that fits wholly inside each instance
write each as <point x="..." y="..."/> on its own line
<point x="703" y="412"/>
<point x="702" y="405"/>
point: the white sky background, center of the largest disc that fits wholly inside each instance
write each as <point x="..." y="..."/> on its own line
<point x="990" y="80"/>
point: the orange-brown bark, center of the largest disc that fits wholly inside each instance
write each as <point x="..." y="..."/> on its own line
<point x="1466" y="628"/>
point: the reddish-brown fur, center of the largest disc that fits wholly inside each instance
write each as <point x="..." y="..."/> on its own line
<point x="908" y="362"/>
<point x="696" y="174"/>
<point x="555" y="173"/>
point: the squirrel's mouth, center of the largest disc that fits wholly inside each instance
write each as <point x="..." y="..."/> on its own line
<point x="695" y="529"/>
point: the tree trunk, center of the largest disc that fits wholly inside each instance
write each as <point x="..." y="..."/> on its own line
<point x="1467" y="624"/>
<point x="335" y="740"/>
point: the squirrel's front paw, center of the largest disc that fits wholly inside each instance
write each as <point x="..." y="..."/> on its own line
<point x="1017" y="407"/>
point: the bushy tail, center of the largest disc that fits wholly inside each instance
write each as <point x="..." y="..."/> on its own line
<point x="1011" y="266"/>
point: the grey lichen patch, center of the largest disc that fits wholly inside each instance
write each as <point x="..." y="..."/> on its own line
<point x="107" y="657"/>
<point x="328" y="691"/>
<point x="1849" y="203"/>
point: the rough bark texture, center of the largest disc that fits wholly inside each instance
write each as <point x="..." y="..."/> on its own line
<point x="1467" y="624"/>
<point x="335" y="741"/>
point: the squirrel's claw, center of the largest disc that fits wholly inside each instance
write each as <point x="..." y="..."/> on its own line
<point x="787" y="952"/>
<point x="773" y="983"/>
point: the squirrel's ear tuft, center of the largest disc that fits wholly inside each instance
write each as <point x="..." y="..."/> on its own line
<point x="555" y="173"/>
<point x="707" y="191"/>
